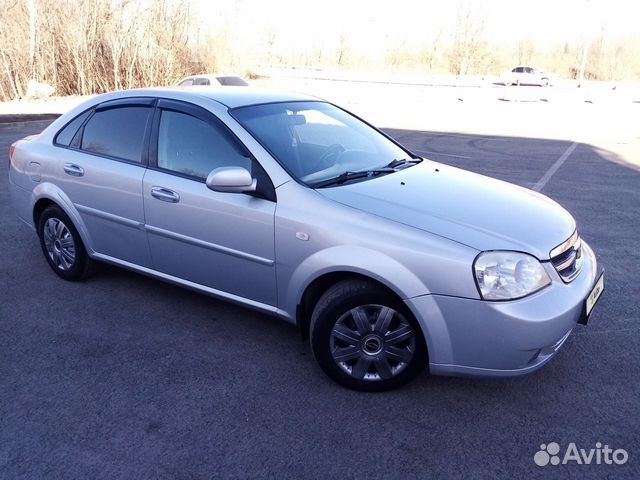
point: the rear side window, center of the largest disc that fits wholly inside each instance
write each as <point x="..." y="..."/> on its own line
<point x="65" y="135"/>
<point x="117" y="132"/>
<point x="186" y="83"/>
<point x="194" y="147"/>
<point x="201" y="81"/>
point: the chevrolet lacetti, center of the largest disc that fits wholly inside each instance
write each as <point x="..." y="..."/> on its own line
<point x="292" y="206"/>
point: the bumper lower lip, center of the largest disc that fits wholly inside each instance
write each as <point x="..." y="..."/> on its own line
<point x="471" y="337"/>
<point x="540" y="358"/>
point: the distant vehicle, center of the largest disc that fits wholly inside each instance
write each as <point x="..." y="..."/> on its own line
<point x="527" y="76"/>
<point x="211" y="79"/>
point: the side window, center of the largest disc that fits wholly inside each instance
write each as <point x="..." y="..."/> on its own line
<point x="201" y="81"/>
<point x="117" y="132"/>
<point x="65" y="135"/>
<point x="186" y="83"/>
<point x="194" y="147"/>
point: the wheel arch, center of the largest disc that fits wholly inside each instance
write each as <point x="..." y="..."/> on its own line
<point x="318" y="284"/>
<point x="324" y="268"/>
<point x="47" y="194"/>
<point x="316" y="288"/>
<point x="40" y="206"/>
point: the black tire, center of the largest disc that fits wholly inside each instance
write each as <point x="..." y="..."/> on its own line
<point x="68" y="240"/>
<point x="394" y="335"/>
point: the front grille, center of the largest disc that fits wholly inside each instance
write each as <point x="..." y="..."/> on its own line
<point x="567" y="258"/>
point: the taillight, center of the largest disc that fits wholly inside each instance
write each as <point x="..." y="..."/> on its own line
<point x="12" y="148"/>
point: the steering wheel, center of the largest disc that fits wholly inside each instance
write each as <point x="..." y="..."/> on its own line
<point x="331" y="151"/>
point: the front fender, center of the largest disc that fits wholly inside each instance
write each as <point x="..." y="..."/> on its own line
<point x="353" y="259"/>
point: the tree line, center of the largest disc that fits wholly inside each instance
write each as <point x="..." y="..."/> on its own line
<point x="93" y="46"/>
<point x="89" y="46"/>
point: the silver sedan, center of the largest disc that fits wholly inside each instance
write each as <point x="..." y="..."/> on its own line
<point x="290" y="205"/>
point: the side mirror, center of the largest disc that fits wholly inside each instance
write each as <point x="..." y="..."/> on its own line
<point x="231" y="180"/>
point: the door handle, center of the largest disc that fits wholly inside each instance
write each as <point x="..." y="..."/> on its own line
<point x="165" y="194"/>
<point x="73" y="170"/>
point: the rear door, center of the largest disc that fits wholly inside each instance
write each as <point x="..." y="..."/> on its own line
<point x="224" y="241"/>
<point x="101" y="171"/>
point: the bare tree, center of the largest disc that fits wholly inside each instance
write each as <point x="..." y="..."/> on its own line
<point x="110" y="44"/>
<point x="468" y="50"/>
<point x="343" y="50"/>
<point x="432" y="54"/>
<point x="526" y="49"/>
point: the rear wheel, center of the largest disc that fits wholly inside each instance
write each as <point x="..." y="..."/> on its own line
<point x="61" y="244"/>
<point x="365" y="338"/>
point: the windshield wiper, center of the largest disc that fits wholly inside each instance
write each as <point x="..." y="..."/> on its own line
<point x="402" y="161"/>
<point x="346" y="176"/>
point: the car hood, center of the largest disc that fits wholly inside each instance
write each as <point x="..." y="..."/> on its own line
<point x="478" y="211"/>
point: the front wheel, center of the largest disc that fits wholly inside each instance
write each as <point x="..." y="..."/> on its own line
<point x="62" y="245"/>
<point x="365" y="338"/>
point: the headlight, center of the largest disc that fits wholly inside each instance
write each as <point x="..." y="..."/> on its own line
<point x="504" y="275"/>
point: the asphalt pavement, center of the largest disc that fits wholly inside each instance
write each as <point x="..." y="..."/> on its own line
<point x="122" y="376"/>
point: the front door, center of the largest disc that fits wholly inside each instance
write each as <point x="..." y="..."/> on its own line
<point x="224" y="241"/>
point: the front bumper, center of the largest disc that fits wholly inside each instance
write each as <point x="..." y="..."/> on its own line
<point x="480" y="338"/>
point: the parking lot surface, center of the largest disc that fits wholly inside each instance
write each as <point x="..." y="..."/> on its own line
<point x="123" y="376"/>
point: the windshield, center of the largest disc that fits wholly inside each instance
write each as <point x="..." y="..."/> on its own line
<point x="315" y="141"/>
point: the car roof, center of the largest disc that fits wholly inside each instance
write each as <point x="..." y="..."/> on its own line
<point x="231" y="97"/>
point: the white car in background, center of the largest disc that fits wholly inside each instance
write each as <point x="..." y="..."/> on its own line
<point x="212" y="79"/>
<point x="527" y="76"/>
